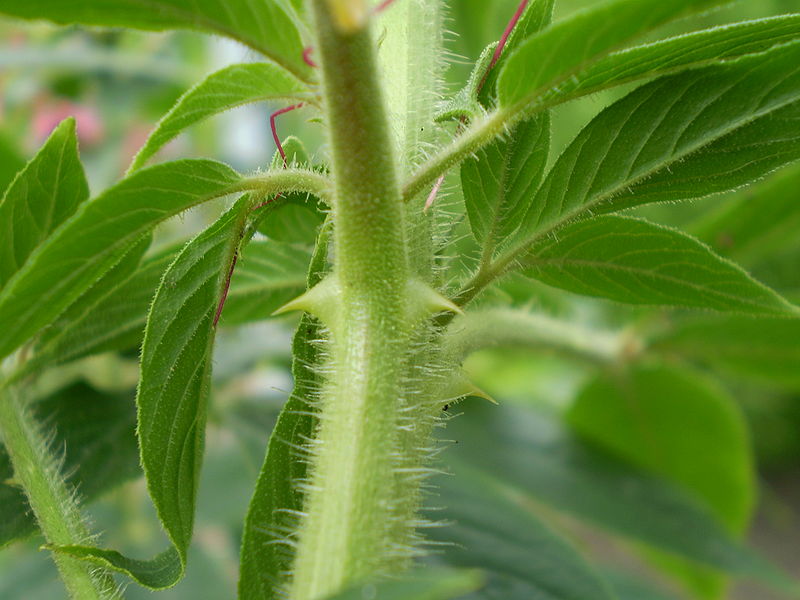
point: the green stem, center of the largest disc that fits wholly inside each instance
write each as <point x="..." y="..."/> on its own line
<point x="350" y="501"/>
<point x="52" y="503"/>
<point x="514" y="328"/>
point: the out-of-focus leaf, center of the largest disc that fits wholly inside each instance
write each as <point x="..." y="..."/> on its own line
<point x="95" y="432"/>
<point x="678" y="425"/>
<point x="532" y="454"/>
<point x="40" y="198"/>
<point x="766" y="350"/>
<point x="232" y="86"/>
<point x="761" y="220"/>
<point x="263" y="25"/>
<point x="173" y="389"/>
<point x="633" y="261"/>
<point x="571" y="45"/>
<point x="685" y="136"/>
<point x="264" y="559"/>
<point x="96" y="238"/>
<point x="482" y="527"/>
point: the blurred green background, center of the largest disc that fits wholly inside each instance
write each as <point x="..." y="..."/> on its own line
<point x="118" y="84"/>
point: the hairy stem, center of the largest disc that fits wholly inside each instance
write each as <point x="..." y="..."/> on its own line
<point x="57" y="514"/>
<point x="349" y="503"/>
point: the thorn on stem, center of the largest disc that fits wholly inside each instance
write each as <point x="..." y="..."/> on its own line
<point x="382" y="6"/>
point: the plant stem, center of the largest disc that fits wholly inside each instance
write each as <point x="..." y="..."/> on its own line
<point x="349" y="503"/>
<point x="52" y="503"/>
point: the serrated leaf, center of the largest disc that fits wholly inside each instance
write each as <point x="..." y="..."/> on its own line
<point x="502" y="177"/>
<point x="685" y="136"/>
<point x="679" y="53"/>
<point x="571" y="45"/>
<point x="760" y="222"/>
<point x="97" y="236"/>
<point x="423" y="584"/>
<point x="264" y="558"/>
<point x="41" y="197"/>
<point x="264" y="25"/>
<point x="766" y="350"/>
<point x="110" y="316"/>
<point x="533" y="455"/>
<point x="636" y="262"/>
<point x="95" y="432"/>
<point x="225" y="89"/>
<point x="483" y="527"/>
<point x="173" y="389"/>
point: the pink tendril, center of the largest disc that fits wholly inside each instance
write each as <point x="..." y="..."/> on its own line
<point x="307" y="57"/>
<point x="498" y="52"/>
<point x="432" y="196"/>
<point x="382" y="6"/>
<point x="274" y="129"/>
<point x="504" y="40"/>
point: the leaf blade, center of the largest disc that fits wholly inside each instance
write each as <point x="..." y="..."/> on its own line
<point x="729" y="123"/>
<point x="555" y="54"/>
<point x="44" y="194"/>
<point x="96" y="237"/>
<point x="630" y="260"/>
<point x="172" y="394"/>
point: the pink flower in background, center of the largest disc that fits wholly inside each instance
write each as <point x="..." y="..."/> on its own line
<point x="50" y="112"/>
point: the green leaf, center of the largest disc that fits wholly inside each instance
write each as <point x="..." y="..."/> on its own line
<point x="230" y="87"/>
<point x="569" y="46"/>
<point x="535" y="456"/>
<point x="110" y="316"/>
<point x="265" y="557"/>
<point x="95" y="432"/>
<point x="11" y="162"/>
<point x="173" y="389"/>
<point x="766" y="350"/>
<point x="685" y="136"/>
<point x="41" y="197"/>
<point x="536" y="16"/>
<point x="684" y="428"/>
<point x="500" y="179"/>
<point x="679" y="53"/>
<point x="264" y="25"/>
<point x="636" y="262"/>
<point x="96" y="238"/>
<point x="268" y="275"/>
<point x="679" y="425"/>
<point x="484" y="527"/>
<point x="760" y="222"/>
<point x="427" y="584"/>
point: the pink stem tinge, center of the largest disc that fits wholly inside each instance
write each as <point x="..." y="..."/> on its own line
<point x="274" y="129"/>
<point x="498" y="52"/>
